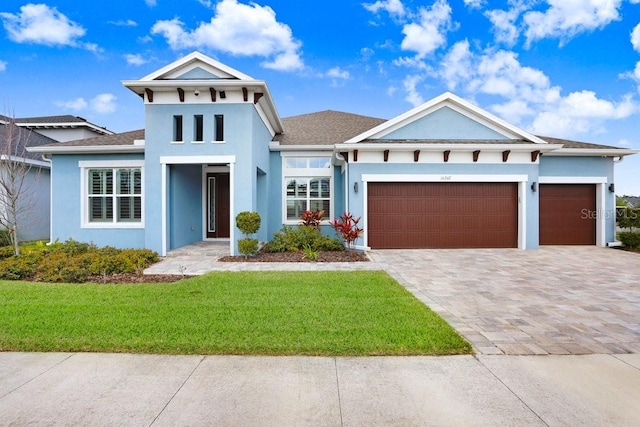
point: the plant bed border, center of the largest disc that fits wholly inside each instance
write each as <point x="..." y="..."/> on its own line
<point x="323" y="256"/>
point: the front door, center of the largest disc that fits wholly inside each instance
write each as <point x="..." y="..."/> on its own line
<point x="217" y="217"/>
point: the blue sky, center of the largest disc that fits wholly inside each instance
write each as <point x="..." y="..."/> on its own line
<point x="563" y="68"/>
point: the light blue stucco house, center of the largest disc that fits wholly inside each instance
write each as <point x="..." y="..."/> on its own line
<point x="445" y="174"/>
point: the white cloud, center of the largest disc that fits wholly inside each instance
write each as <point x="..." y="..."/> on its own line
<point x="151" y="3"/>
<point x="564" y="19"/>
<point x="135" y="59"/>
<point x="41" y="24"/>
<point x="394" y="8"/>
<point x="3" y="66"/>
<point x="526" y="97"/>
<point x="504" y="24"/>
<point x="104" y="103"/>
<point x="474" y="4"/>
<point x="410" y="84"/>
<point x="428" y="33"/>
<point x="635" y="38"/>
<point x="124" y="23"/>
<point x="238" y="29"/>
<point x="338" y="73"/>
<point x="77" y="104"/>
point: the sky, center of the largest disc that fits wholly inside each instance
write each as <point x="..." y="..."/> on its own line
<point x="561" y="68"/>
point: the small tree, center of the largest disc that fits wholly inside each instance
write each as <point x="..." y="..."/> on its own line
<point x="16" y="187"/>
<point x="347" y="228"/>
<point x="248" y="223"/>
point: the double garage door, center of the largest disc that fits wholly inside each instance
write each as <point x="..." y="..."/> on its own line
<point x="472" y="215"/>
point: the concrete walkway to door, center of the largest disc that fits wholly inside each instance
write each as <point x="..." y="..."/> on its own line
<point x="555" y="300"/>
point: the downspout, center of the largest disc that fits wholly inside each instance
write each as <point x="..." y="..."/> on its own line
<point x="48" y="160"/>
<point x="620" y="159"/>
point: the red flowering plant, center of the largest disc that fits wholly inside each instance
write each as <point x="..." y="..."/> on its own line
<point x="347" y="228"/>
<point x="312" y="218"/>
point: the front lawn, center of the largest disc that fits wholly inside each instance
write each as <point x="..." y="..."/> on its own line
<point x="267" y="313"/>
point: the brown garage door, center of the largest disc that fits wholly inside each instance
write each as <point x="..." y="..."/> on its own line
<point x="442" y="215"/>
<point x="567" y="214"/>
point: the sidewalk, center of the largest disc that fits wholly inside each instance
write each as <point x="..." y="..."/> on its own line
<point x="142" y="390"/>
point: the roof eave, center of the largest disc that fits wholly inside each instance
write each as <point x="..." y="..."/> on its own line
<point x="308" y="147"/>
<point x="600" y="152"/>
<point x="543" y="148"/>
<point x="93" y="149"/>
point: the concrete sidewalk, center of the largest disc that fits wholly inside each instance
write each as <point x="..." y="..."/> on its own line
<point x="123" y="389"/>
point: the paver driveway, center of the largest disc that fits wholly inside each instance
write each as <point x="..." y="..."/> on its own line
<point x="555" y="300"/>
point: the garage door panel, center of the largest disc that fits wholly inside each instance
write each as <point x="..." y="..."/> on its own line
<point x="442" y="215"/>
<point x="564" y="218"/>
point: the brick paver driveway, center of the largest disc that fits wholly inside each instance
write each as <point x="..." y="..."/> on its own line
<point x="555" y="300"/>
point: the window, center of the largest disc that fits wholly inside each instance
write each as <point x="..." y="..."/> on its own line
<point x="112" y="196"/>
<point x="177" y="128"/>
<point x="307" y="186"/>
<point x="219" y="131"/>
<point x="198" y="127"/>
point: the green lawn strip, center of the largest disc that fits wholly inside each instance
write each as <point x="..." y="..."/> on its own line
<point x="267" y="313"/>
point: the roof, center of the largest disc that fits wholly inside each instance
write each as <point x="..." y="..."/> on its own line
<point x="24" y="138"/>
<point x="634" y="201"/>
<point x="104" y="143"/>
<point x="567" y="143"/>
<point x="52" y="122"/>
<point x="324" y="128"/>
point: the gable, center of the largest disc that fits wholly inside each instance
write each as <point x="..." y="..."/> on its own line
<point x="197" y="73"/>
<point x="445" y="123"/>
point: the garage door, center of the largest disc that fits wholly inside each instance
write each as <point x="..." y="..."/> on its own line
<point x="566" y="214"/>
<point x="442" y="215"/>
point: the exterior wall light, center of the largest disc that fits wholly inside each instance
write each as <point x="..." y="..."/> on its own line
<point x="355" y="187"/>
<point x="534" y="186"/>
<point x="612" y="188"/>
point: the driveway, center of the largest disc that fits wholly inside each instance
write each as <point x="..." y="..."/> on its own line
<point x="555" y="300"/>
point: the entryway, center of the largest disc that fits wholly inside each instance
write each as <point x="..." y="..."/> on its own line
<point x="217" y="206"/>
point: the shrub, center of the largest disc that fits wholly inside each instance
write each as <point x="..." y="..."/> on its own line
<point x="248" y="222"/>
<point x="347" y="228"/>
<point x="630" y="239"/>
<point x="5" y="237"/>
<point x="19" y="267"/>
<point x="292" y="239"/>
<point x="248" y="246"/>
<point x="312" y="218"/>
<point x="6" y="252"/>
<point x="628" y="217"/>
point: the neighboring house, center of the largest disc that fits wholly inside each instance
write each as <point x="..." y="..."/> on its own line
<point x="32" y="132"/>
<point x="633" y="201"/>
<point x="445" y="174"/>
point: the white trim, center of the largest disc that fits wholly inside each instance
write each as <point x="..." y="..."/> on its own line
<point x="605" y="152"/>
<point x="194" y="58"/>
<point x="94" y="149"/>
<point x="111" y="163"/>
<point x="84" y="166"/>
<point x="163" y="206"/>
<point x="572" y="179"/>
<point x="186" y="160"/>
<point x="521" y="180"/>
<point x="442" y="178"/>
<point x="453" y="146"/>
<point x="176" y="142"/>
<point x="218" y="142"/>
<point x="66" y="125"/>
<point x="197" y="142"/>
<point x="232" y="211"/>
<point x="26" y="160"/>
<point x="275" y="146"/>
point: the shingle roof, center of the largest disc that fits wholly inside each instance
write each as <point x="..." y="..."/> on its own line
<point x="576" y="144"/>
<point x="52" y="119"/>
<point x="324" y="128"/>
<point x="23" y="137"/>
<point x="125" y="138"/>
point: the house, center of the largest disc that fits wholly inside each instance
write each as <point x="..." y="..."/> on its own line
<point x="446" y="174"/>
<point x="16" y="134"/>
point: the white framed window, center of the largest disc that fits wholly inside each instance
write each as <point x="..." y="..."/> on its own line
<point x="307" y="185"/>
<point x="112" y="194"/>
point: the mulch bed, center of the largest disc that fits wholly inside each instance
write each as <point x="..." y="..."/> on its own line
<point x="333" y="256"/>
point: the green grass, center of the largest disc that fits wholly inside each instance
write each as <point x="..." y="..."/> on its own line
<point x="267" y="313"/>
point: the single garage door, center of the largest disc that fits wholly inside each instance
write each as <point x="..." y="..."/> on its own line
<point x="567" y="214"/>
<point x="442" y="215"/>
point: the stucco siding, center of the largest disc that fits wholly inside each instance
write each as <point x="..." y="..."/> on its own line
<point x="444" y="123"/>
<point x="67" y="201"/>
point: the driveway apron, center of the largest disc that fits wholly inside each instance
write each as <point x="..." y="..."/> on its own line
<point x="555" y="300"/>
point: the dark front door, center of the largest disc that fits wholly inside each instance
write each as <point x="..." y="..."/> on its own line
<point x="217" y="218"/>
